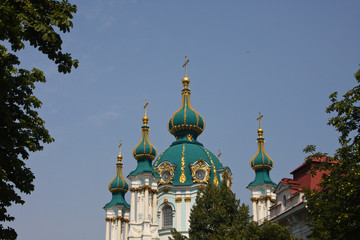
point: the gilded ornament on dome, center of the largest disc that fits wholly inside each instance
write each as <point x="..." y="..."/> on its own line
<point x="157" y="161"/>
<point x="216" y="180"/>
<point x="189" y="137"/>
<point x="200" y="171"/>
<point x="183" y="177"/>
<point x="166" y="171"/>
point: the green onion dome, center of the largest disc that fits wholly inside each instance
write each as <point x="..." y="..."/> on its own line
<point x="186" y="120"/>
<point x="187" y="161"/>
<point x="144" y="152"/>
<point x="145" y="149"/>
<point x="119" y="183"/>
<point x="118" y="186"/>
<point x="261" y="163"/>
<point x="261" y="160"/>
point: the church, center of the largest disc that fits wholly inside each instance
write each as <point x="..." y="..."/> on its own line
<point x="163" y="187"/>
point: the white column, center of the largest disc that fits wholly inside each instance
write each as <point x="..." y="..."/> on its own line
<point x="178" y="213"/>
<point x="119" y="228"/>
<point x="154" y="207"/>
<point x="107" y="234"/>
<point x="268" y="205"/>
<point x="146" y="204"/>
<point x="254" y="209"/>
<point x="187" y="212"/>
<point x="260" y="209"/>
<point x="126" y="228"/>
<point x="150" y="205"/>
<point x="122" y="230"/>
<point x="138" y="200"/>
<point x="132" y="207"/>
<point x="113" y="229"/>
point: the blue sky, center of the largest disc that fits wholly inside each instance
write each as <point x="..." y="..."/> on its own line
<point x="283" y="58"/>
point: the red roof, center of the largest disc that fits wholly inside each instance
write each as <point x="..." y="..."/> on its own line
<point x="289" y="181"/>
<point x="314" y="160"/>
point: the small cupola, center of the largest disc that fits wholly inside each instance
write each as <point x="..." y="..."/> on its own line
<point x="186" y="120"/>
<point x="118" y="185"/>
<point x="144" y="152"/>
<point x="261" y="160"/>
<point x="145" y="149"/>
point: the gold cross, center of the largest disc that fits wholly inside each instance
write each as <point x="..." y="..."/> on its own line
<point x="120" y="147"/>
<point x="259" y="118"/>
<point x="146" y="104"/>
<point x="185" y="65"/>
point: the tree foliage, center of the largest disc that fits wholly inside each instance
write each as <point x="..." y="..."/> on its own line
<point x="335" y="208"/>
<point x="268" y="231"/>
<point x="218" y="215"/>
<point x="36" y="22"/>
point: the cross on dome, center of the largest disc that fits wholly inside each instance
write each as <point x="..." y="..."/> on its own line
<point x="120" y="156"/>
<point x="259" y="118"/>
<point x="145" y="107"/>
<point x="185" y="65"/>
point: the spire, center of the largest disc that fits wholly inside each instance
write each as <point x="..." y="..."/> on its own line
<point x="261" y="162"/>
<point x="186" y="120"/>
<point x="118" y="185"/>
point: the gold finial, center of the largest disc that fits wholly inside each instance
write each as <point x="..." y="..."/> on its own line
<point x="260" y="131"/>
<point x="219" y="154"/>
<point x="185" y="65"/>
<point x="145" y="118"/>
<point x="120" y="156"/>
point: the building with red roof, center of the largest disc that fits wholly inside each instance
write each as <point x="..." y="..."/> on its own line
<point x="290" y="208"/>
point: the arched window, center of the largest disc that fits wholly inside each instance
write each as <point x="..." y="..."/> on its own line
<point x="167" y="217"/>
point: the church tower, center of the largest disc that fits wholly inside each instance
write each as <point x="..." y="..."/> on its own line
<point x="117" y="210"/>
<point x="184" y="167"/>
<point x="262" y="188"/>
<point x="144" y="188"/>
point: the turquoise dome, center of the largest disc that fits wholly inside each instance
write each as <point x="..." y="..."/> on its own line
<point x="119" y="183"/>
<point x="118" y="186"/>
<point x="186" y="120"/>
<point x="261" y="163"/>
<point x="261" y="160"/>
<point x="182" y="154"/>
<point x="187" y="161"/>
<point x="145" y="149"/>
<point x="144" y="152"/>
